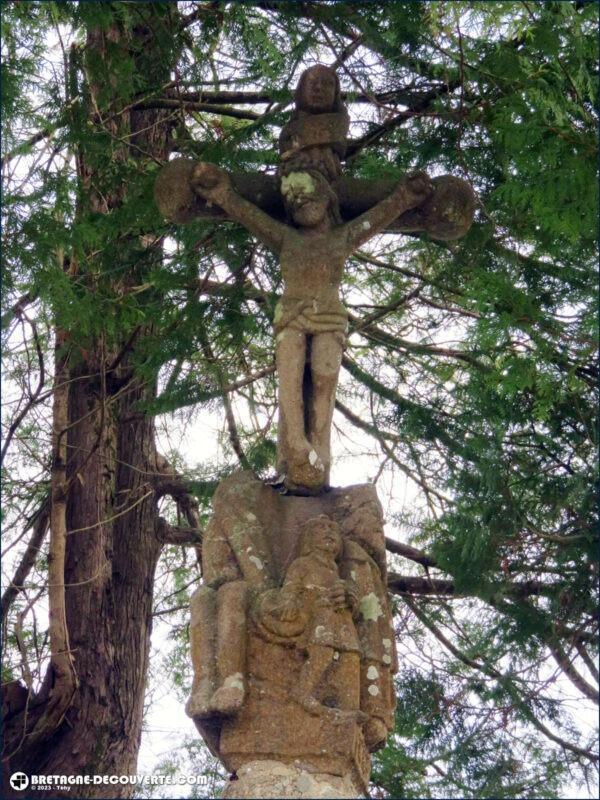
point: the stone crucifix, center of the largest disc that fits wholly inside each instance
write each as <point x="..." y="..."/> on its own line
<point x="313" y="242"/>
<point x="292" y="637"/>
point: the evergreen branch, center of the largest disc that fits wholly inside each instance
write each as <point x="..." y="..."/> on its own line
<point x="436" y="430"/>
<point x="417" y="106"/>
<point x="359" y="324"/>
<point x="381" y="436"/>
<point x="490" y="671"/>
<point x="366" y="258"/>
<point x="209" y="108"/>
<point x="234" y="437"/>
<point x="380" y="336"/>
<point x="44" y="133"/>
<point x="39" y="136"/>
<point x="409" y="584"/>
<point x="33" y="396"/>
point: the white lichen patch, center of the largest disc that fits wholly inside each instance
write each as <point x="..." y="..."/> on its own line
<point x="314" y="460"/>
<point x="366" y="225"/>
<point x="387" y="643"/>
<point x="320" y="632"/>
<point x="235" y="681"/>
<point x="256" y="561"/>
<point x="372" y="673"/>
<point x="251" y="517"/>
<point x="370" y="607"/>
<point x="353" y="574"/>
<point x="373" y="690"/>
<point x="386" y="659"/>
<point x="278" y="313"/>
<point x="297" y="183"/>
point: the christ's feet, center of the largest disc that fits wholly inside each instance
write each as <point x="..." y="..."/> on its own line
<point x="306" y="471"/>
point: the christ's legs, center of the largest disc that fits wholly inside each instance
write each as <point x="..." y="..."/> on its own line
<point x="327" y="351"/>
<point x="290" y="358"/>
<point x="313" y="669"/>
<point x="297" y="458"/>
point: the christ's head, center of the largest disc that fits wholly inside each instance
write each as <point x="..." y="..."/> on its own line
<point x="321" y="534"/>
<point x="309" y="200"/>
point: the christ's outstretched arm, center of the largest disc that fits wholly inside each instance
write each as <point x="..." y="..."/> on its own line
<point x="213" y="184"/>
<point x="407" y="194"/>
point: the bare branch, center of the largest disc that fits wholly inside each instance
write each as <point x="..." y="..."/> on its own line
<point x="572" y="674"/>
<point x="487" y="669"/>
<point x="34" y="396"/>
<point x="223" y="111"/>
<point x="409" y="552"/>
<point x="40" y="528"/>
<point x="178" y="535"/>
<point x="16" y="309"/>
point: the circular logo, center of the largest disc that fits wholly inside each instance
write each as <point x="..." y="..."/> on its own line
<point x="19" y="781"/>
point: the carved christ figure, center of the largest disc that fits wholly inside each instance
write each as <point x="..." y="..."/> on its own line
<point x="313" y="588"/>
<point x="310" y="320"/>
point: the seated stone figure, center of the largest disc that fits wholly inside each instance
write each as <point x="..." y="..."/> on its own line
<point x="315" y="137"/>
<point x="236" y="566"/>
<point x="313" y="591"/>
<point x="310" y="320"/>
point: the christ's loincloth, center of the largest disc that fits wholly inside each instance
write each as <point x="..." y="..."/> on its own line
<point x="311" y="317"/>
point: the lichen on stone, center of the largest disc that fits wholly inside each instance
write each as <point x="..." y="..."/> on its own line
<point x="297" y="183"/>
<point x="370" y="607"/>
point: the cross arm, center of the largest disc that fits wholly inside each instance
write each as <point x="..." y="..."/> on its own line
<point x="446" y="216"/>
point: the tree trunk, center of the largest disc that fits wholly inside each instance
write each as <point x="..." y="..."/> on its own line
<point x="112" y="541"/>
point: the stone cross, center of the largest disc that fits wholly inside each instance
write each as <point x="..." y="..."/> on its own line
<point x="292" y="638"/>
<point x="313" y="242"/>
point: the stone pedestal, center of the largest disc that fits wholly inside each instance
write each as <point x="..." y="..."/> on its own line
<point x="292" y="645"/>
<point x="275" y="779"/>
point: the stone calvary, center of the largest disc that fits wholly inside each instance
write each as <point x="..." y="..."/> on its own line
<point x="292" y="640"/>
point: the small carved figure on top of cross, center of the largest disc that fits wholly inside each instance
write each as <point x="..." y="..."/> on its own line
<point x="315" y="136"/>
